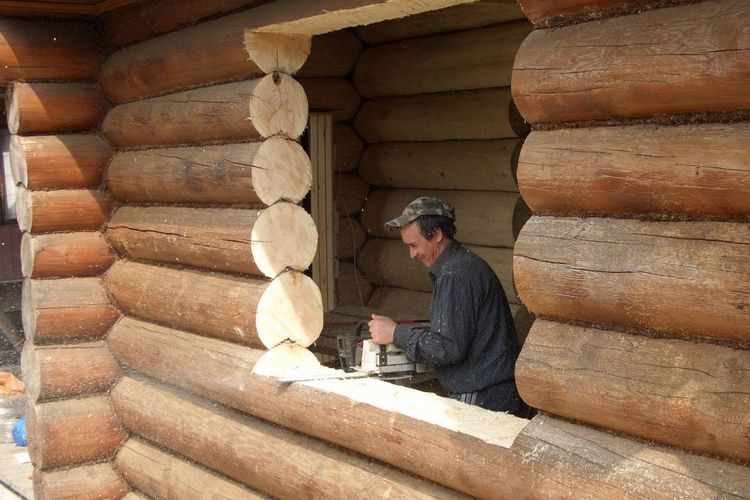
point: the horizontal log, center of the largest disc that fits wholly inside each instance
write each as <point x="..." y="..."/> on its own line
<point x="349" y="238"/>
<point x="246" y="311"/>
<point x="59" y="161"/>
<point x="462" y="447"/>
<point x="540" y="11"/>
<point x="471" y="59"/>
<point x="68" y="371"/>
<point x="66" y="309"/>
<point x="331" y="54"/>
<point x="49" y="50"/>
<point x="74" y="431"/>
<point x="243" y="111"/>
<point x="333" y="95"/>
<point x="86" y="482"/>
<point x="460" y="165"/>
<point x="253" y="452"/>
<point x="163" y="475"/>
<point x="352" y="288"/>
<point x="459" y="17"/>
<point x="64" y="255"/>
<point x="350" y="193"/>
<point x="638" y="274"/>
<point x="62" y="210"/>
<point x="48" y="108"/>
<point x="257" y="173"/>
<point x="693" y="170"/>
<point x="347" y="148"/>
<point x="468" y="114"/>
<point x="401" y="302"/>
<point x="558" y="79"/>
<point x="257" y="242"/>
<point x="482" y="217"/>
<point x="690" y="395"/>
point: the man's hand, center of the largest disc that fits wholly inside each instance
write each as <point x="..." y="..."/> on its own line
<point x="381" y="329"/>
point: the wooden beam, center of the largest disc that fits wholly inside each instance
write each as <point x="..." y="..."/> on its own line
<point x="64" y="255"/>
<point x="85" y="482"/>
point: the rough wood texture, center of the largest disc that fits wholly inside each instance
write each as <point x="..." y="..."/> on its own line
<point x="254" y="452"/>
<point x="258" y="242"/>
<point x="347" y="148"/>
<point x="332" y="54"/>
<point x="243" y="111"/>
<point x="472" y="59"/>
<point x="460" y="17"/>
<point x="350" y="193"/>
<point x="349" y="238"/>
<point x="638" y="274"/>
<point x="635" y="66"/>
<point x="694" y="170"/>
<point x="464" y="165"/>
<point x="62" y="210"/>
<point x="64" y="433"/>
<point x="352" y="288"/>
<point x="48" y="108"/>
<point x="163" y="475"/>
<point x="68" y="371"/>
<point x="58" y="161"/>
<point x="676" y="392"/>
<point x="539" y="11"/>
<point x="36" y="50"/>
<point x="332" y="95"/>
<point x="401" y="302"/>
<point x="66" y="309"/>
<point x="482" y="217"/>
<point x="87" y="482"/>
<point x="63" y="255"/>
<point x="223" y="306"/>
<point x="469" y="114"/>
<point x="259" y="173"/>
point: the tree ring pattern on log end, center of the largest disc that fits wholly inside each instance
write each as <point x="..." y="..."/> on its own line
<point x="283" y="172"/>
<point x="279" y="108"/>
<point x="277" y="52"/>
<point x="283" y="236"/>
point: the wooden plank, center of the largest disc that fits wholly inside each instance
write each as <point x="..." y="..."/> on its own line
<point x="321" y="153"/>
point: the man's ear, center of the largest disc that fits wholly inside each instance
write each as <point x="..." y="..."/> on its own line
<point x="437" y="235"/>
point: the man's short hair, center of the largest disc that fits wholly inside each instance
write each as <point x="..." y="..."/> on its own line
<point x="428" y="223"/>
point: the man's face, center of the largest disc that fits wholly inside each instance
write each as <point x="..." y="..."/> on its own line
<point x="420" y="248"/>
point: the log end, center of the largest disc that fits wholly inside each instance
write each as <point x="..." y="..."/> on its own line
<point x="284" y="171"/>
<point x="18" y="168"/>
<point x="24" y="214"/>
<point x="277" y="52"/>
<point x="284" y="236"/>
<point x="284" y="360"/>
<point x="27" y="256"/>
<point x="28" y="309"/>
<point x="12" y="108"/>
<point x="30" y="371"/>
<point x="278" y="106"/>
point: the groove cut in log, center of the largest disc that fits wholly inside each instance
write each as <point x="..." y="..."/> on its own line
<point x="62" y="210"/>
<point x="332" y="95"/>
<point x="86" y="482"/>
<point x="697" y="170"/>
<point x="254" y="452"/>
<point x="258" y="242"/>
<point x="38" y="50"/>
<point x="48" y="108"/>
<point x="257" y="173"/>
<point x="638" y="274"/>
<point x="244" y="111"/>
<point x="332" y="54"/>
<point x="63" y="255"/>
<point x="460" y="165"/>
<point x="488" y="218"/>
<point x="471" y="59"/>
<point x="163" y="475"/>
<point x="681" y="393"/>
<point x="558" y="79"/>
<point x="401" y="302"/>
<point x="58" y="161"/>
<point x="71" y="432"/>
<point x="54" y="310"/>
<point x="468" y="114"/>
<point x="68" y="371"/>
<point x="347" y="148"/>
<point x="350" y="192"/>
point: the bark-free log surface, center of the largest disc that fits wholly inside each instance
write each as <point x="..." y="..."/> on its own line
<point x="468" y="114"/>
<point x="401" y="302"/>
<point x="349" y="238"/>
<point x="163" y="475"/>
<point x="62" y="210"/>
<point x="87" y="482"/>
<point x="49" y="50"/>
<point x="682" y="278"/>
<point x="258" y="242"/>
<point x="465" y="165"/>
<point x="255" y="173"/>
<point x="482" y="217"/>
<point x="697" y="170"/>
<point x="47" y="108"/>
<point x="352" y="287"/>
<point x="247" y="311"/>
<point x="67" y="371"/>
<point x="350" y="193"/>
<point x="635" y="66"/>
<point x="63" y="255"/>
<point x="74" y="431"/>
<point x="332" y="54"/>
<point x="58" y="161"/>
<point x="271" y="459"/>
<point x="472" y="59"/>
<point x="66" y="309"/>
<point x="347" y="148"/>
<point x="332" y="95"/>
<point x="243" y="111"/>
<point x="677" y="392"/>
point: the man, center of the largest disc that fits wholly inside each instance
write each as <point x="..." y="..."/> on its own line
<point x="471" y="339"/>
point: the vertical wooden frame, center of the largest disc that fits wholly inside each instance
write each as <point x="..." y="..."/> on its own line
<point x="321" y="207"/>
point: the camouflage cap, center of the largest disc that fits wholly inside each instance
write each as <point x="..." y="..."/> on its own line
<point x="422" y="206"/>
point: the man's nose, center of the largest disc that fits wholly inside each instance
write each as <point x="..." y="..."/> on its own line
<point x="412" y="252"/>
